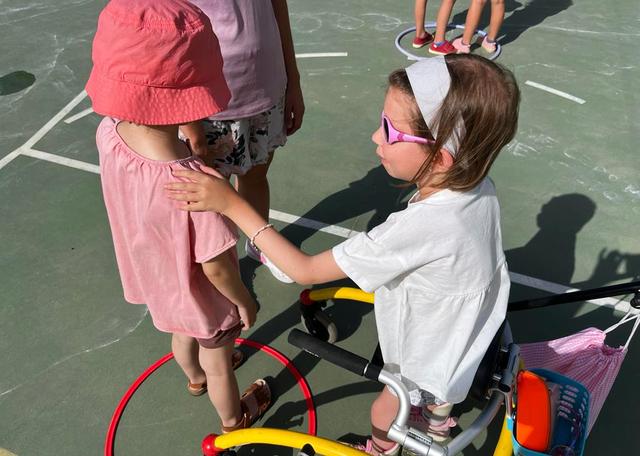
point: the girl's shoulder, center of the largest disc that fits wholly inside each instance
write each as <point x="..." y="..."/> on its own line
<point x="106" y="132"/>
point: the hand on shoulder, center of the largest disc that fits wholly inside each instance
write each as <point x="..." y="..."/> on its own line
<point x="201" y="191"/>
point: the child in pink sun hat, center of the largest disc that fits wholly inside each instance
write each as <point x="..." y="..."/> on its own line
<point x="157" y="65"/>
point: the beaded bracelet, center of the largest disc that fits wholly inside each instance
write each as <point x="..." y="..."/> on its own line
<point x="252" y="241"/>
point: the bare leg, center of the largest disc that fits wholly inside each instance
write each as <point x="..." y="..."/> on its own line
<point x="185" y="352"/>
<point x="473" y="19"/>
<point x="497" y="16"/>
<point x="383" y="411"/>
<point x="444" y="13"/>
<point x="254" y="187"/>
<point x="419" y="13"/>
<point x="223" y="387"/>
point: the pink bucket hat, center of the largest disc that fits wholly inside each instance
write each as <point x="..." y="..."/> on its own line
<point x="156" y="62"/>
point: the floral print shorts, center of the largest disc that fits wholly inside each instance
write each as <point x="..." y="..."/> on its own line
<point x="238" y="145"/>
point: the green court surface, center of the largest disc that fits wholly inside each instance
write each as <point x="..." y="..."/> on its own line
<point x="69" y="344"/>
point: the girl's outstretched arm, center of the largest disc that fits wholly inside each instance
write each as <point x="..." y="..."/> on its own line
<point x="211" y="192"/>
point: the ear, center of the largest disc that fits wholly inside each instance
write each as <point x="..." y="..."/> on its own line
<point x="444" y="160"/>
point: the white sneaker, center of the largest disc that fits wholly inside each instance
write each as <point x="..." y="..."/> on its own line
<point x="251" y="251"/>
<point x="257" y="255"/>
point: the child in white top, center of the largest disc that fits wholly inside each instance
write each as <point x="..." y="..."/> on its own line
<point x="437" y="268"/>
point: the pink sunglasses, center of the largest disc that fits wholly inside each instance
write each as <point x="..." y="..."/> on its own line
<point x="391" y="135"/>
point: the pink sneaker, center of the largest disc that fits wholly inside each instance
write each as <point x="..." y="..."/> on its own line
<point x="371" y="448"/>
<point x="421" y="42"/>
<point x="442" y="48"/>
<point x="488" y="45"/>
<point x="461" y="47"/>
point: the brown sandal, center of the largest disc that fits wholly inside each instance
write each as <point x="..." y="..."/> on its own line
<point x="254" y="402"/>
<point x="198" y="389"/>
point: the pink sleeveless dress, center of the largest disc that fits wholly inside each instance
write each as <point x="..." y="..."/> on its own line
<point x="159" y="247"/>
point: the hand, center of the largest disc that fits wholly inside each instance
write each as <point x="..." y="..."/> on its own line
<point x="609" y="266"/>
<point x="248" y="314"/>
<point x="293" y="108"/>
<point x="202" y="192"/>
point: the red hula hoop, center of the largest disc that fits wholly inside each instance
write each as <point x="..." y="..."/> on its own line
<point x="286" y="362"/>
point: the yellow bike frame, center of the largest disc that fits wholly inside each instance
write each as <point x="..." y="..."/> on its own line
<point x="281" y="437"/>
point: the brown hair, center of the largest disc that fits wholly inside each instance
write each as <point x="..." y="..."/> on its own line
<point x="485" y="97"/>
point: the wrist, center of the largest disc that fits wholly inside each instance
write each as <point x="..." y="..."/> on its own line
<point x="236" y="206"/>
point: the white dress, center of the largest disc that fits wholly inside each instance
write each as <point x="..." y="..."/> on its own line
<point x="441" y="286"/>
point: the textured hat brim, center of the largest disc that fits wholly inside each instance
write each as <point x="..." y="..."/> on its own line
<point x="147" y="105"/>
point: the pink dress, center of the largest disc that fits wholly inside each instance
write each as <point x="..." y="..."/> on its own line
<point x="159" y="247"/>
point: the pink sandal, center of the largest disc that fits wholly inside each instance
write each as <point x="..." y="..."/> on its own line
<point x="488" y="46"/>
<point x="460" y="46"/>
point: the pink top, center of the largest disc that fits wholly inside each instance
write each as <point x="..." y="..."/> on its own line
<point x="252" y="54"/>
<point x="158" y="247"/>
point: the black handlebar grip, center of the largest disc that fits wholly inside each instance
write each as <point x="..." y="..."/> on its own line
<point x="331" y="353"/>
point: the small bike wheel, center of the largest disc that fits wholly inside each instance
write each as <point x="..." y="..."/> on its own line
<point x="321" y="327"/>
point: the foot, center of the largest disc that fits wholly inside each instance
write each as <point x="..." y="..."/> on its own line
<point x="460" y="46"/>
<point x="257" y="255"/>
<point x="442" y="48"/>
<point x="421" y="42"/>
<point x="488" y="45"/>
<point x="254" y="402"/>
<point x="198" y="389"/>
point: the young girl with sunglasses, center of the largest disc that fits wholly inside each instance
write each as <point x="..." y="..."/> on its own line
<point x="437" y="268"/>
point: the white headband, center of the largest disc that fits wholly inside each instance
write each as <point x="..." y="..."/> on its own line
<point x="430" y="82"/>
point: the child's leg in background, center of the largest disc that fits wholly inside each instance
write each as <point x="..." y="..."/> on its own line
<point x="185" y="351"/>
<point x="420" y="11"/>
<point x="473" y="19"/>
<point x="263" y="134"/>
<point x="254" y="187"/>
<point x="223" y="390"/>
<point x="497" y="16"/>
<point x="383" y="412"/>
<point x="444" y="13"/>
<point x="422" y="37"/>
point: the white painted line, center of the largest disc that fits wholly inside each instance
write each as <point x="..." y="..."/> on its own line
<point x="311" y="55"/>
<point x="9" y="157"/>
<point x="43" y="131"/>
<point x="555" y="92"/>
<point x="313" y="224"/>
<point x="80" y="115"/>
<point x="54" y="120"/>
<point x="65" y="161"/>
